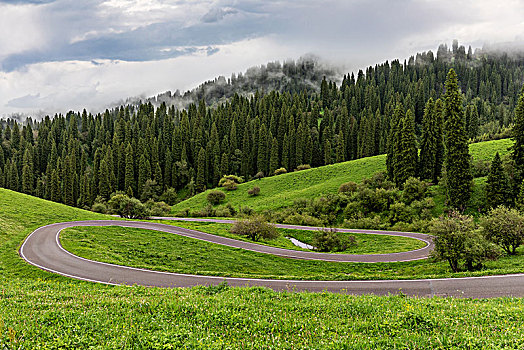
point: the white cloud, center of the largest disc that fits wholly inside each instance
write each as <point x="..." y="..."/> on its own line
<point x="74" y="53"/>
<point x="60" y="86"/>
<point x="21" y="29"/>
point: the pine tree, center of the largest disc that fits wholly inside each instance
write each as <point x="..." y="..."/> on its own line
<point x="200" y="184"/>
<point x="27" y="173"/>
<point x="224" y="164"/>
<point x="129" y="182"/>
<point x="393" y="141"/>
<point x="405" y="161"/>
<point x="520" y="198"/>
<point x="518" y="138"/>
<point x="428" y="146"/>
<point x="273" y="158"/>
<point x="440" y="150"/>
<point x="457" y="161"/>
<point x="497" y="185"/>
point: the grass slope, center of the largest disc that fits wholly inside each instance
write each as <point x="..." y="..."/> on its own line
<point x="281" y="191"/>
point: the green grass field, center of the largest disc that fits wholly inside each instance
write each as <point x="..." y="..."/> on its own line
<point x="281" y="191"/>
<point x="167" y="252"/>
<point x="366" y="244"/>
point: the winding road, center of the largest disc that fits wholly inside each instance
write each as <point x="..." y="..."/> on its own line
<point x="42" y="248"/>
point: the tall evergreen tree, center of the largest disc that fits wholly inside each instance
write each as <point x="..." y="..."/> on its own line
<point x="405" y="160"/>
<point x="440" y="149"/>
<point x="27" y="173"/>
<point x="497" y="185"/>
<point x="458" y="162"/>
<point x="393" y="140"/>
<point x="200" y="184"/>
<point x="518" y="138"/>
<point x="428" y="146"/>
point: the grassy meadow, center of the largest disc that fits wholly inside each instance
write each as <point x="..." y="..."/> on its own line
<point x="281" y="191"/>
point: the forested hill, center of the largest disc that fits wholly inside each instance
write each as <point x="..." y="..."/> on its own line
<point x="305" y="74"/>
<point x="146" y="151"/>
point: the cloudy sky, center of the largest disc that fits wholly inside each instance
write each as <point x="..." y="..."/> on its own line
<point x="57" y="55"/>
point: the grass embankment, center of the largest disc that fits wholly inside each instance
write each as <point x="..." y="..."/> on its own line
<point x="44" y="310"/>
<point x="366" y="243"/>
<point x="167" y="252"/>
<point x="281" y="191"/>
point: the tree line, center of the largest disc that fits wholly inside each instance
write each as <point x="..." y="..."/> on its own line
<point x="149" y="152"/>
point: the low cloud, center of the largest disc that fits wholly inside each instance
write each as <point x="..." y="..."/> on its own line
<point x="67" y="54"/>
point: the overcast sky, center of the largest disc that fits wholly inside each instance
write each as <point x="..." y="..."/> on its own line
<point x="57" y="55"/>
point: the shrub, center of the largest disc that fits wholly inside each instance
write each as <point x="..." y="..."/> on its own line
<point x="400" y="212"/>
<point x="302" y="219"/>
<point x="233" y="178"/>
<point x="157" y="208"/>
<point x="280" y="171"/>
<point x="150" y="190"/>
<point x="258" y="175"/>
<point x="303" y="167"/>
<point x="169" y="196"/>
<point x="504" y="227"/>
<point x="246" y="211"/>
<point x="99" y="208"/>
<point x="230" y="185"/>
<point x="254" y="228"/>
<point x="414" y="190"/>
<point x="458" y="242"/>
<point x="215" y="197"/>
<point x="204" y="212"/>
<point x="127" y="207"/>
<point x="254" y="191"/>
<point x="327" y="240"/>
<point x="348" y="187"/>
<point x="369" y="223"/>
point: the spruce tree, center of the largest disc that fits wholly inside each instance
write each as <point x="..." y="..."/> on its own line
<point x="405" y="161"/>
<point x="497" y="185"/>
<point x="273" y="158"/>
<point x="440" y="150"/>
<point x="393" y="141"/>
<point x="520" y="198"/>
<point x="27" y="173"/>
<point x="457" y="161"/>
<point x="518" y="138"/>
<point x="428" y="146"/>
<point x="129" y="181"/>
<point x="200" y="184"/>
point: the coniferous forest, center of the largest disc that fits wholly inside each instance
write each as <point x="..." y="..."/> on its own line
<point x="163" y="152"/>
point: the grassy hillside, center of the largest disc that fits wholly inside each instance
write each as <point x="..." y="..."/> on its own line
<point x="280" y="191"/>
<point x="44" y="310"/>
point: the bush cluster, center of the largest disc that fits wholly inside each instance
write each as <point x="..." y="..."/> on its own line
<point x="255" y="191"/>
<point x="255" y="228"/>
<point x="373" y="204"/>
<point x="328" y="240"/>
<point x="466" y="245"/>
<point x="215" y="197"/>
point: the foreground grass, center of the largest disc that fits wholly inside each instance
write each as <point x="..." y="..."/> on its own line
<point x="51" y="315"/>
<point x="167" y="252"/>
<point x="281" y="191"/>
<point x="366" y="243"/>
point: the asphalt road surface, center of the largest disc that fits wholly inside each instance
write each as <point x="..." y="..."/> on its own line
<point x="42" y="249"/>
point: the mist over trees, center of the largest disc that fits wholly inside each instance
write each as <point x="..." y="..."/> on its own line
<point x="147" y="151"/>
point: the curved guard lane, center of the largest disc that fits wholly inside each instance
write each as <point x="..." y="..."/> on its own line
<point x="42" y="248"/>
